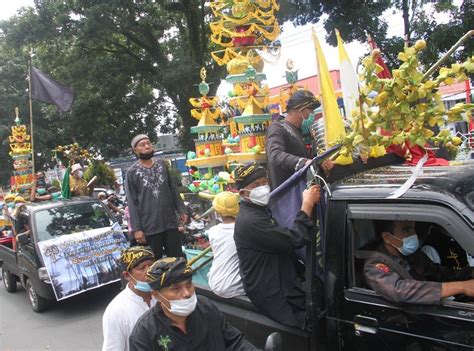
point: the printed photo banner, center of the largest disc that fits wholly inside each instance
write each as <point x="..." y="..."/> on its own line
<point x="83" y="261"/>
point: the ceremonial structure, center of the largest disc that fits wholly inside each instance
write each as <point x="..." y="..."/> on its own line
<point x="243" y="30"/>
<point x="21" y="154"/>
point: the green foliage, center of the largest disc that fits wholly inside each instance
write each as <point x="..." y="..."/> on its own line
<point x="56" y="183"/>
<point x="355" y="19"/>
<point x="133" y="68"/>
<point x="105" y="174"/>
<point x="175" y="174"/>
<point x="134" y="65"/>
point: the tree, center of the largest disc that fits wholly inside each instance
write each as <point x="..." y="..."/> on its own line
<point x="104" y="173"/>
<point x="130" y="65"/>
<point x="134" y="65"/>
<point x="356" y="19"/>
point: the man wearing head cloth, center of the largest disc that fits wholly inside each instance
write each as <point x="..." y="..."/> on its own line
<point x="285" y="148"/>
<point x="265" y="250"/>
<point x="77" y="184"/>
<point x="181" y="320"/>
<point x="131" y="303"/>
<point x="153" y="201"/>
<point x="224" y="274"/>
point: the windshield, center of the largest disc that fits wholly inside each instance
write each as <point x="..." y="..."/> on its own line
<point x="70" y="219"/>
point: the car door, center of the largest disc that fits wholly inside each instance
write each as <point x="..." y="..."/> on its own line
<point x="369" y="322"/>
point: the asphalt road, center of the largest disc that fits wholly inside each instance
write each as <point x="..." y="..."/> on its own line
<point x="69" y="325"/>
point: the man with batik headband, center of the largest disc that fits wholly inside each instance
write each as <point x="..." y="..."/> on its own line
<point x="285" y="148"/>
<point x="130" y="304"/>
<point x="265" y="250"/>
<point x="181" y="321"/>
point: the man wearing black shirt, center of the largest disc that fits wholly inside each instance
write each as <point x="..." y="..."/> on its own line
<point x="265" y="250"/>
<point x="285" y="147"/>
<point x="153" y="202"/>
<point x="181" y="320"/>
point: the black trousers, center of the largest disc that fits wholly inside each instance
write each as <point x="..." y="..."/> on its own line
<point x="166" y="243"/>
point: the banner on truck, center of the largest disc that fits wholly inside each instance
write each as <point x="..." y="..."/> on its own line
<point x="83" y="261"/>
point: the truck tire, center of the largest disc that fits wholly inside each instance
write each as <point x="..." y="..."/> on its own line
<point x="9" y="280"/>
<point x="38" y="303"/>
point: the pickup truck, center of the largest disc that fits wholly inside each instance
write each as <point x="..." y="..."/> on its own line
<point x="344" y="313"/>
<point x="44" y="221"/>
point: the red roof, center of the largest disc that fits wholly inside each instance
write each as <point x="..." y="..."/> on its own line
<point x="312" y="84"/>
<point x="452" y="89"/>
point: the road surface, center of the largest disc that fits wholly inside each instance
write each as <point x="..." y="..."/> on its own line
<point x="71" y="325"/>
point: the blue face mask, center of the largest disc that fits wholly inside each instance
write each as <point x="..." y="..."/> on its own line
<point x="41" y="191"/>
<point x="410" y="245"/>
<point x="11" y="205"/>
<point x="141" y="286"/>
<point x="56" y="195"/>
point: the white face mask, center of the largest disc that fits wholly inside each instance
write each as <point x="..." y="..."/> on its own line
<point x="260" y="195"/>
<point x="80" y="174"/>
<point x="183" y="307"/>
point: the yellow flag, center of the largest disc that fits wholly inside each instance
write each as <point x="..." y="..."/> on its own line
<point x="333" y="123"/>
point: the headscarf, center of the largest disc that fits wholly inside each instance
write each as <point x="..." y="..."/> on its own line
<point x="168" y="271"/>
<point x="246" y="174"/>
<point x="302" y="99"/>
<point x="226" y="204"/>
<point x="133" y="256"/>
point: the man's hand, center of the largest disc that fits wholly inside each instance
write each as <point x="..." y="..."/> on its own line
<point x="455" y="288"/>
<point x="140" y="237"/>
<point x="326" y="166"/>
<point x="183" y="218"/>
<point x="469" y="288"/>
<point x="310" y="197"/>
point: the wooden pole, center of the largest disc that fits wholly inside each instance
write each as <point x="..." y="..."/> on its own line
<point x="31" y="116"/>
<point x="446" y="55"/>
<point x="201" y="254"/>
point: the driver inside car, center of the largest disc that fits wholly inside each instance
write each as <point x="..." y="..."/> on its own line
<point x="402" y="273"/>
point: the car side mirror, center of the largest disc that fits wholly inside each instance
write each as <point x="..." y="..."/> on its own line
<point x="23" y="238"/>
<point x="274" y="342"/>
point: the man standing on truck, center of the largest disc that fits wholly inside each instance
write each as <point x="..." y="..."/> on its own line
<point x="77" y="184"/>
<point x="266" y="250"/>
<point x="181" y="321"/>
<point x="402" y="273"/>
<point x="131" y="303"/>
<point x="153" y="201"/>
<point x="285" y="147"/>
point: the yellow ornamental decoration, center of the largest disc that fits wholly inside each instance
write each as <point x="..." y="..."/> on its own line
<point x="20" y="147"/>
<point x="404" y="107"/>
<point x="242" y="26"/>
<point x="242" y="102"/>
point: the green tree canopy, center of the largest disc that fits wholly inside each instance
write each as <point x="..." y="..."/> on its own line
<point x="133" y="65"/>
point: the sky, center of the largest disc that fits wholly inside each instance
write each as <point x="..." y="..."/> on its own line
<point x="9" y="7"/>
<point x="296" y="42"/>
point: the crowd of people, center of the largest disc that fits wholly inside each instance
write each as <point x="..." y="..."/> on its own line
<point x="253" y="255"/>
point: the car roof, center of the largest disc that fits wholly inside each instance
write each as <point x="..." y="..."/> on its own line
<point x="44" y="205"/>
<point x="452" y="185"/>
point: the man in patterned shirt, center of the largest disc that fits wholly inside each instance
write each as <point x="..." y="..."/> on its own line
<point x="153" y="202"/>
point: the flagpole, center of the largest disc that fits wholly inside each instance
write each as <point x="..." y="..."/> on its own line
<point x="31" y="116"/>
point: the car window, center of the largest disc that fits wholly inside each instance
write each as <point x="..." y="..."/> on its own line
<point x="434" y="241"/>
<point x="70" y="219"/>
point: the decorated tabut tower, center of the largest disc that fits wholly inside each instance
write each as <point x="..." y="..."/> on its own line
<point x="242" y="29"/>
<point x="20" y="147"/>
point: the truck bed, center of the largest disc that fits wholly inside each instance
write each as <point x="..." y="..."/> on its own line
<point x="241" y="313"/>
<point x="8" y="256"/>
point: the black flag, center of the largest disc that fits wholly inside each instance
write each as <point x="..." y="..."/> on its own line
<point x="45" y="88"/>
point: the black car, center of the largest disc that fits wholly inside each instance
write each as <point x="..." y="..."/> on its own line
<point x="345" y="314"/>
